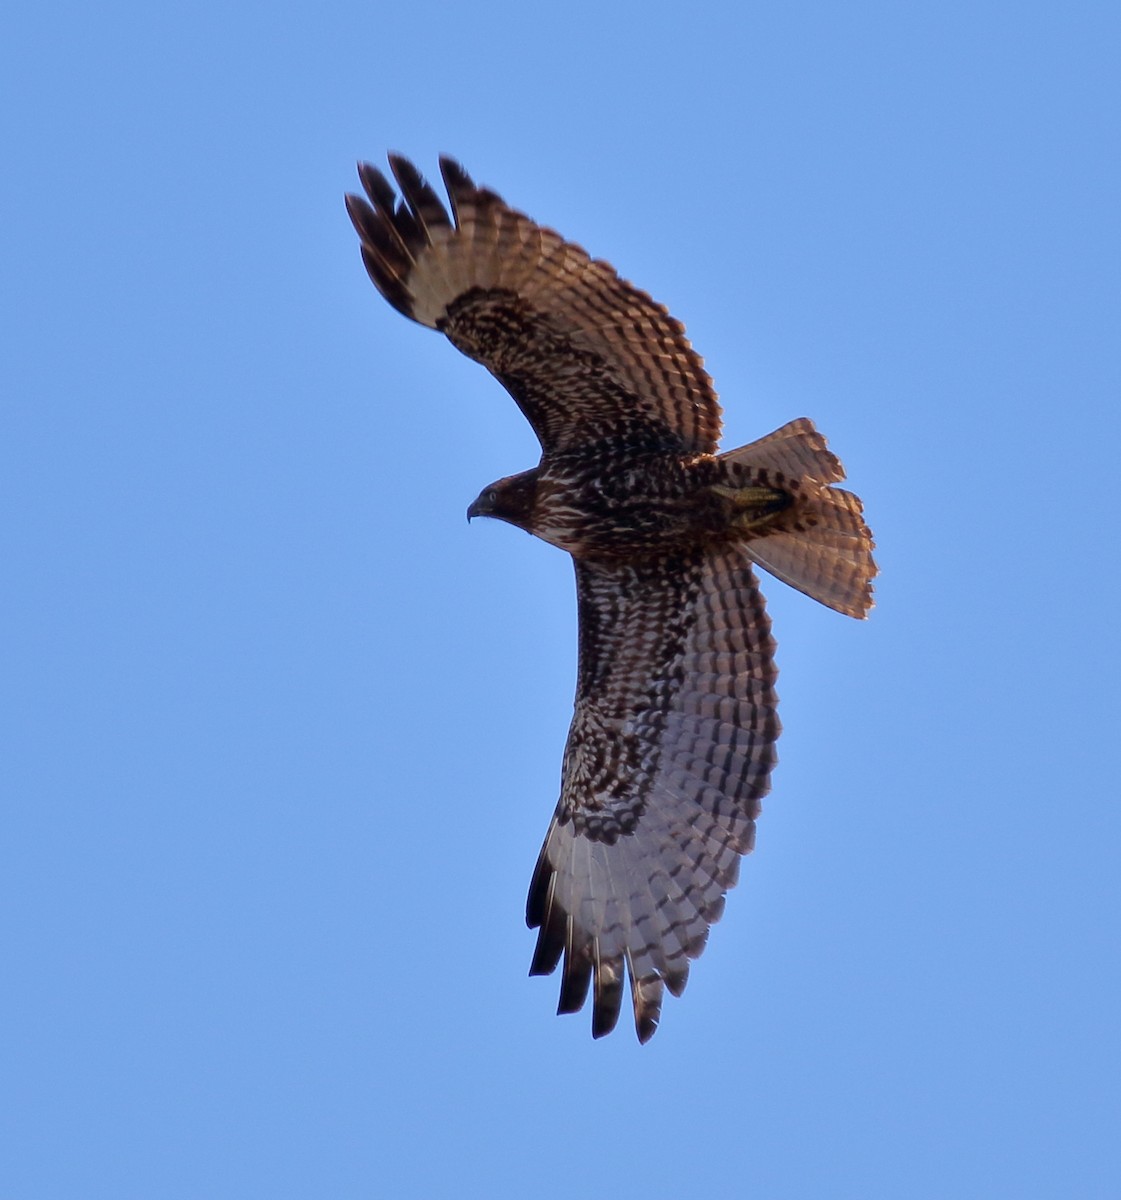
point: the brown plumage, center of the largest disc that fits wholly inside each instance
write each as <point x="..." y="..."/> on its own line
<point x="673" y="735"/>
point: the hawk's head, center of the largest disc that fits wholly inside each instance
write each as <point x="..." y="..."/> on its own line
<point x="510" y="499"/>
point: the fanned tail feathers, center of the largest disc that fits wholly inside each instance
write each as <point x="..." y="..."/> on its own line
<point x="823" y="548"/>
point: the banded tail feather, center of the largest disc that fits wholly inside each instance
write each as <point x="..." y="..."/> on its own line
<point x="823" y="547"/>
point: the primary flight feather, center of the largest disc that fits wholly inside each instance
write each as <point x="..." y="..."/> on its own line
<point x="673" y="736"/>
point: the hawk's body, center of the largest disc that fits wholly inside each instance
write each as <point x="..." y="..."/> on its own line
<point x="672" y="740"/>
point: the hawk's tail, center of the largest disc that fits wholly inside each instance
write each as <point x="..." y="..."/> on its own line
<point x="821" y="546"/>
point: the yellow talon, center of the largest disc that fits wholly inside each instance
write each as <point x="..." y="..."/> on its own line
<point x="749" y="497"/>
<point x="751" y="506"/>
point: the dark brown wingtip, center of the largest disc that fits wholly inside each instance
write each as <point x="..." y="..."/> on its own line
<point x="646" y="1025"/>
<point x="457" y="183"/>
<point x="419" y="194"/>
<point x="364" y="219"/>
<point x="646" y="999"/>
<point x="547" y="953"/>
<point x="391" y="286"/>
<point x="608" y="1000"/>
<point x="393" y="232"/>
<point x="544" y="916"/>
<point x="378" y="188"/>
<point x="676" y="979"/>
<point x="359" y="211"/>
<point x="576" y="978"/>
<point x="397" y="218"/>
<point x="540" y="892"/>
<point x="404" y="169"/>
<point x="454" y="174"/>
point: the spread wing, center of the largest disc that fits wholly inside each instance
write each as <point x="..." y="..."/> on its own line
<point x="670" y="751"/>
<point x="585" y="355"/>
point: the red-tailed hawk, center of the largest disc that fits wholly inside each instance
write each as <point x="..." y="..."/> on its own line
<point x="673" y="736"/>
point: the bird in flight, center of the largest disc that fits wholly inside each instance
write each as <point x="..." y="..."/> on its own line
<point x="673" y="735"/>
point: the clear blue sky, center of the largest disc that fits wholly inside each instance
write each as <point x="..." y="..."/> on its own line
<point x="283" y="733"/>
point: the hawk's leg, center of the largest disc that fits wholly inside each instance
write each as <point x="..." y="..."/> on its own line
<point x="751" y="507"/>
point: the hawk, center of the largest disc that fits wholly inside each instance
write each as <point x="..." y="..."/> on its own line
<point x="673" y="735"/>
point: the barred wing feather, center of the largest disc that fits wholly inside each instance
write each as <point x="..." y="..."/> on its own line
<point x="584" y="353"/>
<point x="670" y="752"/>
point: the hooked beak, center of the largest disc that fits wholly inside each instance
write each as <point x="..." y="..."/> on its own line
<point x="480" y="507"/>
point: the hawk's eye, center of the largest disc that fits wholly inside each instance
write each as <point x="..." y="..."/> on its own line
<point x="492" y="496"/>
